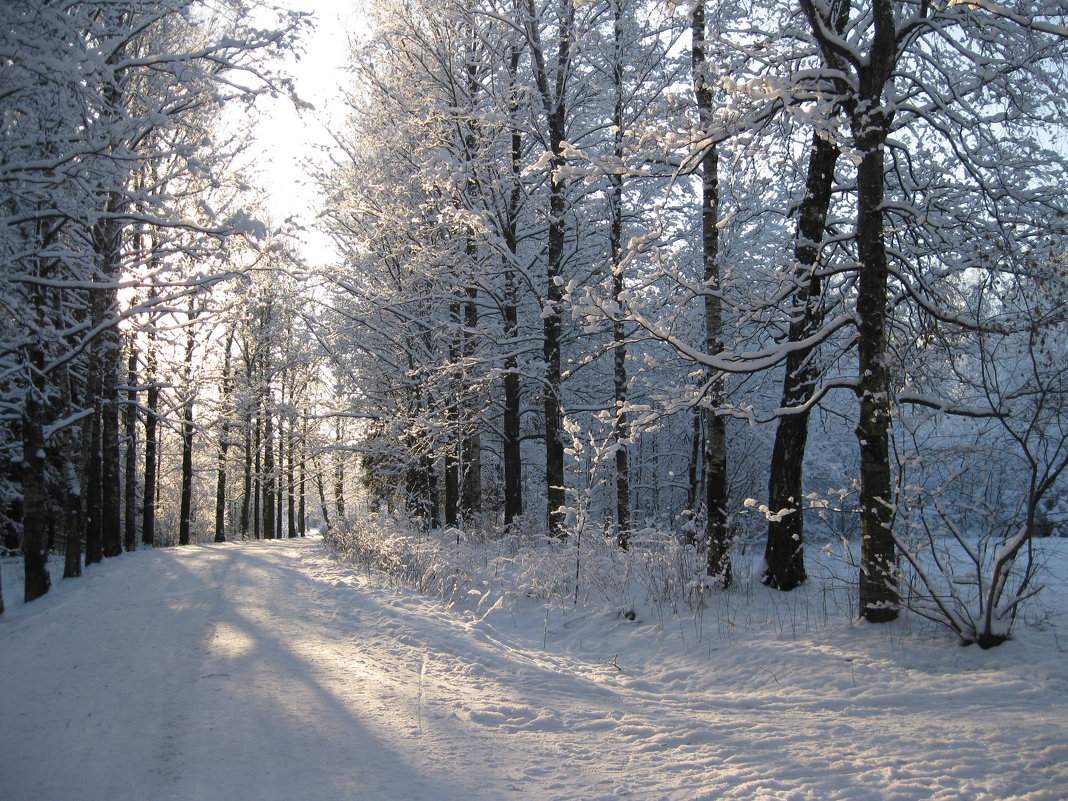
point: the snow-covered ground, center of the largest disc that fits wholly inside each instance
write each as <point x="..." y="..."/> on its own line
<point x="272" y="670"/>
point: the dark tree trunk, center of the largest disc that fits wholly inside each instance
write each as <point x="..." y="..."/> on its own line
<point x="302" y="516"/>
<point x="553" y="91"/>
<point x="878" y="591"/>
<point x="130" y="428"/>
<point x="471" y="445"/>
<point x="246" y="497"/>
<point x="621" y="434"/>
<point x="268" y="473"/>
<point x="148" y="504"/>
<point x="291" y="442"/>
<point x="257" y="485"/>
<point x="717" y="534"/>
<point x="93" y="534"/>
<point x="224" y="443"/>
<point x="110" y="452"/>
<point x="186" y="509"/>
<point x="34" y="490"/>
<point x="512" y="452"/>
<point x="871" y="123"/>
<point x="453" y="462"/>
<point x="784" y="553"/>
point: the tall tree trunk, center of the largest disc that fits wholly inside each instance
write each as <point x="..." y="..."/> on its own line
<point x="224" y="441"/>
<point x="130" y="428"/>
<point x="291" y="441"/>
<point x="554" y="91"/>
<point x="110" y="453"/>
<point x="453" y="461"/>
<point x="717" y="534"/>
<point x="784" y="552"/>
<point x="257" y="487"/>
<point x="186" y="510"/>
<point x="246" y="497"/>
<point x="621" y="431"/>
<point x="871" y="122"/>
<point x="34" y="489"/>
<point x="268" y="472"/>
<point x="878" y="591"/>
<point x="302" y="516"/>
<point x="92" y="520"/>
<point x="511" y="450"/>
<point x="471" y="444"/>
<point x="148" y="504"/>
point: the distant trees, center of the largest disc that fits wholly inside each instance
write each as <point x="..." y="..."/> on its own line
<point x="109" y="154"/>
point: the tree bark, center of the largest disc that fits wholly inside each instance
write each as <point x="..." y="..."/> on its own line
<point x="554" y="101"/>
<point x="717" y="534"/>
<point x="512" y="452"/>
<point x="186" y="510"/>
<point x="268" y="471"/>
<point x="34" y="490"/>
<point x="148" y="504"/>
<point x="871" y="123"/>
<point x="224" y="441"/>
<point x="621" y="431"/>
<point x="246" y="496"/>
<point x="784" y="552"/>
<point x="130" y="428"/>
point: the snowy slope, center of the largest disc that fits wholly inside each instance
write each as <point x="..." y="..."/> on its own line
<point x="273" y="671"/>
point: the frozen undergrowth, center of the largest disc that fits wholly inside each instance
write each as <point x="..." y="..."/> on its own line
<point x="659" y="579"/>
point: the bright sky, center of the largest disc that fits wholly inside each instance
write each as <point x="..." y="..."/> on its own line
<point x="288" y="138"/>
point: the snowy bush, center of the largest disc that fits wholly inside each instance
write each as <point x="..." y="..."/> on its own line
<point x="479" y="570"/>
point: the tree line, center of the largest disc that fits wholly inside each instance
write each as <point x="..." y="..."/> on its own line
<point x="605" y="268"/>
<point x="614" y="256"/>
<point x="129" y="262"/>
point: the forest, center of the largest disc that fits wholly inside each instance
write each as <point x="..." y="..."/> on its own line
<point x="672" y="282"/>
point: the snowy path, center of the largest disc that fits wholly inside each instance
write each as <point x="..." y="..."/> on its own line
<point x="270" y="671"/>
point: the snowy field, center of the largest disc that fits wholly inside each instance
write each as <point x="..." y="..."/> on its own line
<point x="272" y="670"/>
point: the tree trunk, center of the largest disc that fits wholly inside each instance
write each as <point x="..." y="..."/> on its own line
<point x="93" y="534"/>
<point x="110" y="453"/>
<point x="717" y="534"/>
<point x="257" y="489"/>
<point x="553" y="92"/>
<point x="268" y="472"/>
<point x="186" y="510"/>
<point x="130" y="428"/>
<point x="471" y="445"/>
<point x="302" y="516"/>
<point x="224" y="443"/>
<point x="871" y="122"/>
<point x="621" y="432"/>
<point x="148" y="504"/>
<point x="34" y="489"/>
<point x="784" y="552"/>
<point x="511" y="450"/>
<point x="246" y="497"/>
<point x="291" y="442"/>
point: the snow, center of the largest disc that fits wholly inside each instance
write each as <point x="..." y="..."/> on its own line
<point x="273" y="670"/>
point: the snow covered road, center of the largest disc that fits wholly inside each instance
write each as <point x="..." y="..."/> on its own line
<point x="269" y="670"/>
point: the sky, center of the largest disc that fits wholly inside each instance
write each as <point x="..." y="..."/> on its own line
<point x="289" y="139"/>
